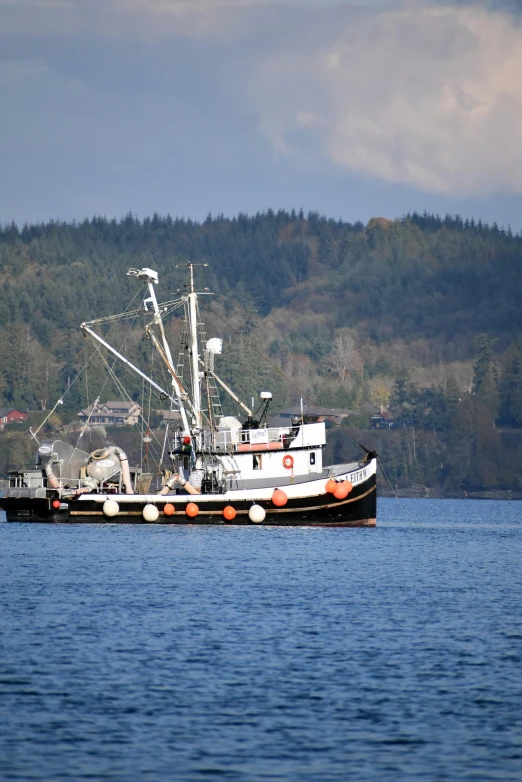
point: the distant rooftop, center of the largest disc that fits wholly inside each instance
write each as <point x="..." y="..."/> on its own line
<point x="314" y="411"/>
<point x="6" y="410"/>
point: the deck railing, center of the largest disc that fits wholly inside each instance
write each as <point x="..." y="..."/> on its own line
<point x="241" y="440"/>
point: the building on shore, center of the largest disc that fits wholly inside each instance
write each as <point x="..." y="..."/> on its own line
<point x="11" y="415"/>
<point x="116" y="413"/>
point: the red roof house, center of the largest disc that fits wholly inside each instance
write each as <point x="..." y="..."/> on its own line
<point x="9" y="415"/>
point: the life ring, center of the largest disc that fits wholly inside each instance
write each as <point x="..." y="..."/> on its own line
<point x="288" y="462"/>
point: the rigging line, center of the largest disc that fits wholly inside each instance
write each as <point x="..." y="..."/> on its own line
<point x="121" y="388"/>
<point x="109" y="369"/>
<point x="86" y="383"/>
<point x="393" y="490"/>
<point x="33" y="434"/>
<point x="207" y="416"/>
<point x="60" y="401"/>
<point x="87" y="394"/>
<point x="164" y="447"/>
<point x="124" y="340"/>
<point x="168" y="306"/>
<point x="167" y="378"/>
<point x="98" y="397"/>
<point x="84" y="427"/>
<point x="161" y="351"/>
<point x="141" y="418"/>
<point x="186" y="402"/>
<point x="150" y="405"/>
<point x="279" y="372"/>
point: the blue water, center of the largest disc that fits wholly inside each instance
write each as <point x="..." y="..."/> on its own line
<point x="156" y="653"/>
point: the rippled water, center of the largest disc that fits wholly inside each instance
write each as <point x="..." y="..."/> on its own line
<point x="155" y="653"/>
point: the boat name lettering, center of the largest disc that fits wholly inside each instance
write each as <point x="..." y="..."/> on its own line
<point x="355" y="477"/>
<point x="259" y="436"/>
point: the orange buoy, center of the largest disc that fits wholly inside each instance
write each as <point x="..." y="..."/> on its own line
<point x="288" y="462"/>
<point x="330" y="486"/>
<point x="279" y="498"/>
<point x="343" y="490"/>
<point x="56" y="504"/>
<point x="169" y="509"/>
<point x="229" y="513"/>
<point x="192" y="510"/>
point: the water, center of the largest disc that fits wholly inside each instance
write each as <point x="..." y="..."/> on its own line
<point x="154" y="653"/>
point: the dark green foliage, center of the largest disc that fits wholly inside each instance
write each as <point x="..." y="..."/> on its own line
<point x="441" y="280"/>
<point x="483" y="367"/>
<point x="511" y="386"/>
<point x="418" y="276"/>
<point x="426" y="408"/>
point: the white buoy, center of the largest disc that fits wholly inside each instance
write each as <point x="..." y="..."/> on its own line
<point x="256" y="514"/>
<point x="111" y="508"/>
<point x="150" y="512"/>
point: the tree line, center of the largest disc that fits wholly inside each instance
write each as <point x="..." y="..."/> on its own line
<point x="419" y="315"/>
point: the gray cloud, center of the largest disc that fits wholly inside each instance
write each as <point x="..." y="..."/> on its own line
<point x="420" y="96"/>
<point x="427" y="96"/>
<point x="159" y="18"/>
<point x="142" y="19"/>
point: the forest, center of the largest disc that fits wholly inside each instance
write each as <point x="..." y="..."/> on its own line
<point x="418" y="316"/>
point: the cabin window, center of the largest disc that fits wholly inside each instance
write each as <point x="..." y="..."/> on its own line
<point x="185" y="462"/>
<point x="312" y="458"/>
<point x="258" y="461"/>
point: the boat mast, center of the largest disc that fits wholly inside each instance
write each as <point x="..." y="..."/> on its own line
<point x="152" y="278"/>
<point x="194" y="349"/>
<point x="199" y="367"/>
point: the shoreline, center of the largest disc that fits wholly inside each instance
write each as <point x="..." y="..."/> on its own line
<point x="440" y="493"/>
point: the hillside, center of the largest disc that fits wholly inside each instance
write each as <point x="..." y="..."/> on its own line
<point x="419" y="314"/>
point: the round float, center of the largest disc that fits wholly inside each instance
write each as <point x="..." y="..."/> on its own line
<point x="343" y="490"/>
<point x="111" y="508"/>
<point x="279" y="498"/>
<point x="256" y="514"/>
<point x="192" y="510"/>
<point x="150" y="512"/>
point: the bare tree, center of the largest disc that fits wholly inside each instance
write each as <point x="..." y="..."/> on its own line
<point x="344" y="358"/>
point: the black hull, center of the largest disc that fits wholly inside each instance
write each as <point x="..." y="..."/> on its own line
<point x="359" y="509"/>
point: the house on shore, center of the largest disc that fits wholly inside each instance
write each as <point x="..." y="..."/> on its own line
<point x="116" y="413"/>
<point x="171" y="417"/>
<point x="11" y="415"/>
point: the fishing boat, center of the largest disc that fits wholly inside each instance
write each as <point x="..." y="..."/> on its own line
<point x="222" y="469"/>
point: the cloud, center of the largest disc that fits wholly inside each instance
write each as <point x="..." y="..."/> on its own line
<point x="427" y="96"/>
<point x="15" y="72"/>
<point x="126" y="18"/>
<point x="145" y="19"/>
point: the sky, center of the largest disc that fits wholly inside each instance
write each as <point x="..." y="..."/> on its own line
<point x="188" y="107"/>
